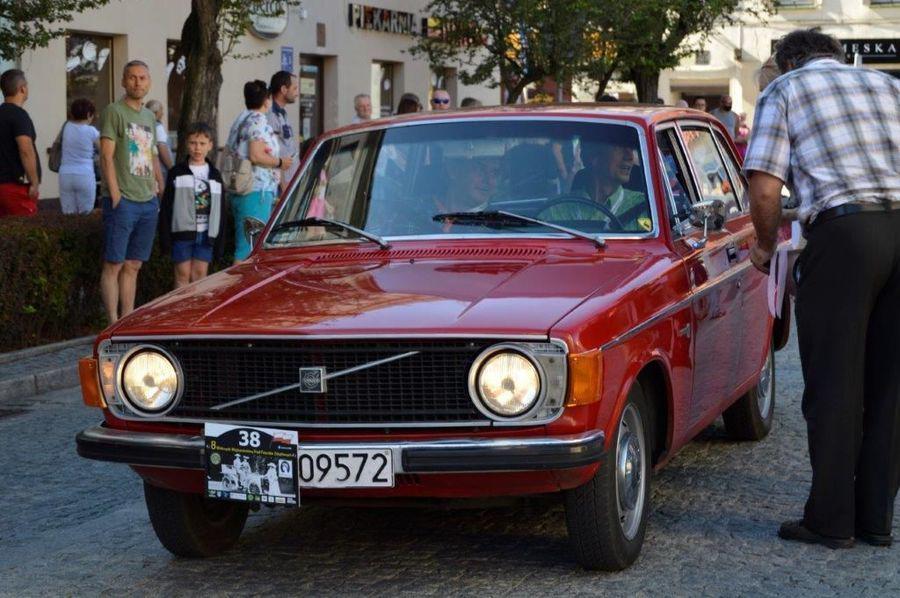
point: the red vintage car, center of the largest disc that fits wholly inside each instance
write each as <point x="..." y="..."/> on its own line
<point x="497" y="302"/>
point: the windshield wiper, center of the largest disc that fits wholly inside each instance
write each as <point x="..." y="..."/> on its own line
<point x="329" y="223"/>
<point x="502" y="218"/>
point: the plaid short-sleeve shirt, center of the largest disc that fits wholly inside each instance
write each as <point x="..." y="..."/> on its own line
<point x="832" y="133"/>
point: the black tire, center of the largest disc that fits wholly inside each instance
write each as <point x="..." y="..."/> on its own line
<point x="190" y="525"/>
<point x="598" y="537"/>
<point x="751" y="416"/>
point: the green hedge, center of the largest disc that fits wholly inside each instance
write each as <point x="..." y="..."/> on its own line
<point x="50" y="278"/>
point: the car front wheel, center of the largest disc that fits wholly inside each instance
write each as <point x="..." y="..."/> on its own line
<point x="191" y="525"/>
<point x="607" y="516"/>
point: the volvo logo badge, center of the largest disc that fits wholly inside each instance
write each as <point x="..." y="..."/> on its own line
<point x="312" y="380"/>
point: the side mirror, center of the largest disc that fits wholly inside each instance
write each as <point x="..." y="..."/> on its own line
<point x="252" y="229"/>
<point x="710" y="215"/>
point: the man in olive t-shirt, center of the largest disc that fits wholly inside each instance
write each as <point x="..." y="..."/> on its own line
<point x="131" y="181"/>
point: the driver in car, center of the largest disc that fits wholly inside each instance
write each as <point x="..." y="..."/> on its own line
<point x="608" y="169"/>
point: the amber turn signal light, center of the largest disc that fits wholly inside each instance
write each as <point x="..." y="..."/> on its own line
<point x="585" y="371"/>
<point x="90" y="383"/>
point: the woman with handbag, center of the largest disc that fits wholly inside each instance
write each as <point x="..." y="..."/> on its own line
<point x="253" y="139"/>
<point x="79" y="143"/>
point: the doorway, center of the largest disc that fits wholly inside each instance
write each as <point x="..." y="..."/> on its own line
<point x="311" y="101"/>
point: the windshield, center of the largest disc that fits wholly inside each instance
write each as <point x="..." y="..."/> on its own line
<point x="394" y="182"/>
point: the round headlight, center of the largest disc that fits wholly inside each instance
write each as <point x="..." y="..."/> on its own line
<point x="149" y="381"/>
<point x="508" y="384"/>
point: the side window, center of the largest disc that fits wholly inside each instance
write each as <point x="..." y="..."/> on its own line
<point x="712" y="175"/>
<point x="676" y="180"/>
<point x="734" y="170"/>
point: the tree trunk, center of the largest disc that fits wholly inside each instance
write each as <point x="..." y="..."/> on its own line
<point x="203" y="72"/>
<point x="647" y="83"/>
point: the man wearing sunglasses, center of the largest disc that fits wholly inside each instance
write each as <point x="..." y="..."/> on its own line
<point x="440" y="99"/>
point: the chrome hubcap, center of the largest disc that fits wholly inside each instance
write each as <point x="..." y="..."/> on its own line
<point x="630" y="471"/>
<point x="764" y="388"/>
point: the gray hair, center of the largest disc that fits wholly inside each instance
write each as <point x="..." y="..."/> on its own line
<point x="154" y="106"/>
<point x="132" y="63"/>
<point x="360" y="96"/>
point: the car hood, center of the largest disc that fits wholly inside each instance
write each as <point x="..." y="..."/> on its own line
<point x="506" y="291"/>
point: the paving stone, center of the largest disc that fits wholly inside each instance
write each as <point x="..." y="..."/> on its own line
<point x="75" y="527"/>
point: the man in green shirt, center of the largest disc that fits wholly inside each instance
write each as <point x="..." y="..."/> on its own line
<point x="608" y="167"/>
<point x="131" y="182"/>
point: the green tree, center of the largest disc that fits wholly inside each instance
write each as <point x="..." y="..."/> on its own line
<point x="658" y="34"/>
<point x="210" y="34"/>
<point x="508" y="43"/>
<point x="30" y="24"/>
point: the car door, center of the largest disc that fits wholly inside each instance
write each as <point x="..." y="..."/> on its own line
<point x="711" y="262"/>
<point x="755" y="320"/>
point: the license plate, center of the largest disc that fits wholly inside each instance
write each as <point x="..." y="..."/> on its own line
<point x="345" y="467"/>
<point x="251" y="464"/>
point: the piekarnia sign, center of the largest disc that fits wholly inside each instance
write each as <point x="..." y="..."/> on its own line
<point x="385" y="20"/>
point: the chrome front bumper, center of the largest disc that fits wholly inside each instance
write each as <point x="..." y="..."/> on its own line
<point x="434" y="456"/>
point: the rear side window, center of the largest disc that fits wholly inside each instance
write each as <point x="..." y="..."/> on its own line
<point x="712" y="174"/>
<point x="734" y="169"/>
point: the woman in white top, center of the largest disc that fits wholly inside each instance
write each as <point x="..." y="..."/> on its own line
<point x="166" y="159"/>
<point x="80" y="142"/>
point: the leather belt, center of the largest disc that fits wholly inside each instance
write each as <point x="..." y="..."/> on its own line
<point x="852" y="208"/>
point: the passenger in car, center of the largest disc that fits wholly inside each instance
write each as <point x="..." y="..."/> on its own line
<point x="608" y="170"/>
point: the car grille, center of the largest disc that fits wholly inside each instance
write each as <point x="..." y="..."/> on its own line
<point x="429" y="387"/>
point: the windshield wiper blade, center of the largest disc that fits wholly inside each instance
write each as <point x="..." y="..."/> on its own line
<point x="500" y="217"/>
<point x="329" y="223"/>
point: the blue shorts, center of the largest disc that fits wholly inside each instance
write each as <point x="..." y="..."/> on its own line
<point x="199" y="249"/>
<point x="129" y="229"/>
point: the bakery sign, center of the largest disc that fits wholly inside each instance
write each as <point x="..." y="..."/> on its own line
<point x="872" y="50"/>
<point x="372" y="18"/>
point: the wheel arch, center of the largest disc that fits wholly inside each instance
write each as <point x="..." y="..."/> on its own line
<point x="655" y="382"/>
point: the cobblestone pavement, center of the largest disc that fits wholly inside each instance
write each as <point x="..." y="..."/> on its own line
<point x="73" y="527"/>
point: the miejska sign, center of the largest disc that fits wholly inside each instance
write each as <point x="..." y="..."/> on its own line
<point x="872" y="50"/>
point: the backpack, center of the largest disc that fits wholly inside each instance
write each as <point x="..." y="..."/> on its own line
<point x="237" y="172"/>
<point x="54" y="158"/>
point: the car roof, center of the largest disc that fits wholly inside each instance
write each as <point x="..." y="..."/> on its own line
<point x="647" y="114"/>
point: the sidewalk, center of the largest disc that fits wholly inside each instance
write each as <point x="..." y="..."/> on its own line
<point x="37" y="370"/>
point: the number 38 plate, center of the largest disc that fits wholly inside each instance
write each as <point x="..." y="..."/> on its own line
<point x="345" y="468"/>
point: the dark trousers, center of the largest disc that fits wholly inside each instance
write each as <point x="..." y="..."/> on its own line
<point x="848" y="325"/>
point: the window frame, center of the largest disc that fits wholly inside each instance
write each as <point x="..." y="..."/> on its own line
<point x="643" y="133"/>
<point x="705" y="125"/>
<point x="683" y="227"/>
<point x="731" y="163"/>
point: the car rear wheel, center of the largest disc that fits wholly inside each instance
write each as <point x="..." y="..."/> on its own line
<point x="191" y="525"/>
<point x="607" y="517"/>
<point x="751" y="417"/>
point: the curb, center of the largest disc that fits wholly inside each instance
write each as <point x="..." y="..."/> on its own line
<point x="30" y="385"/>
<point x="35" y="351"/>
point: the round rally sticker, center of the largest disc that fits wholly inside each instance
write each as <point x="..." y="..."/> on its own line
<point x="215" y="458"/>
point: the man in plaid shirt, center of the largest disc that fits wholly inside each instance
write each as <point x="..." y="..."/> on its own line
<point x="831" y="132"/>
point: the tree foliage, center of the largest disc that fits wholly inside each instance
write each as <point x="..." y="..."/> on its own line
<point x="513" y="43"/>
<point x="30" y="24"/>
<point x="508" y="43"/>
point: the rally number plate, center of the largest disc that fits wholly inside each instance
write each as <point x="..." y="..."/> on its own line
<point x="345" y="467"/>
<point x="251" y="464"/>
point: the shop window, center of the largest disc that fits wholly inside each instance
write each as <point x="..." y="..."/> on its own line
<point x="89" y="67"/>
<point x="176" y="63"/>
<point x="702" y="57"/>
<point x="383" y="87"/>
